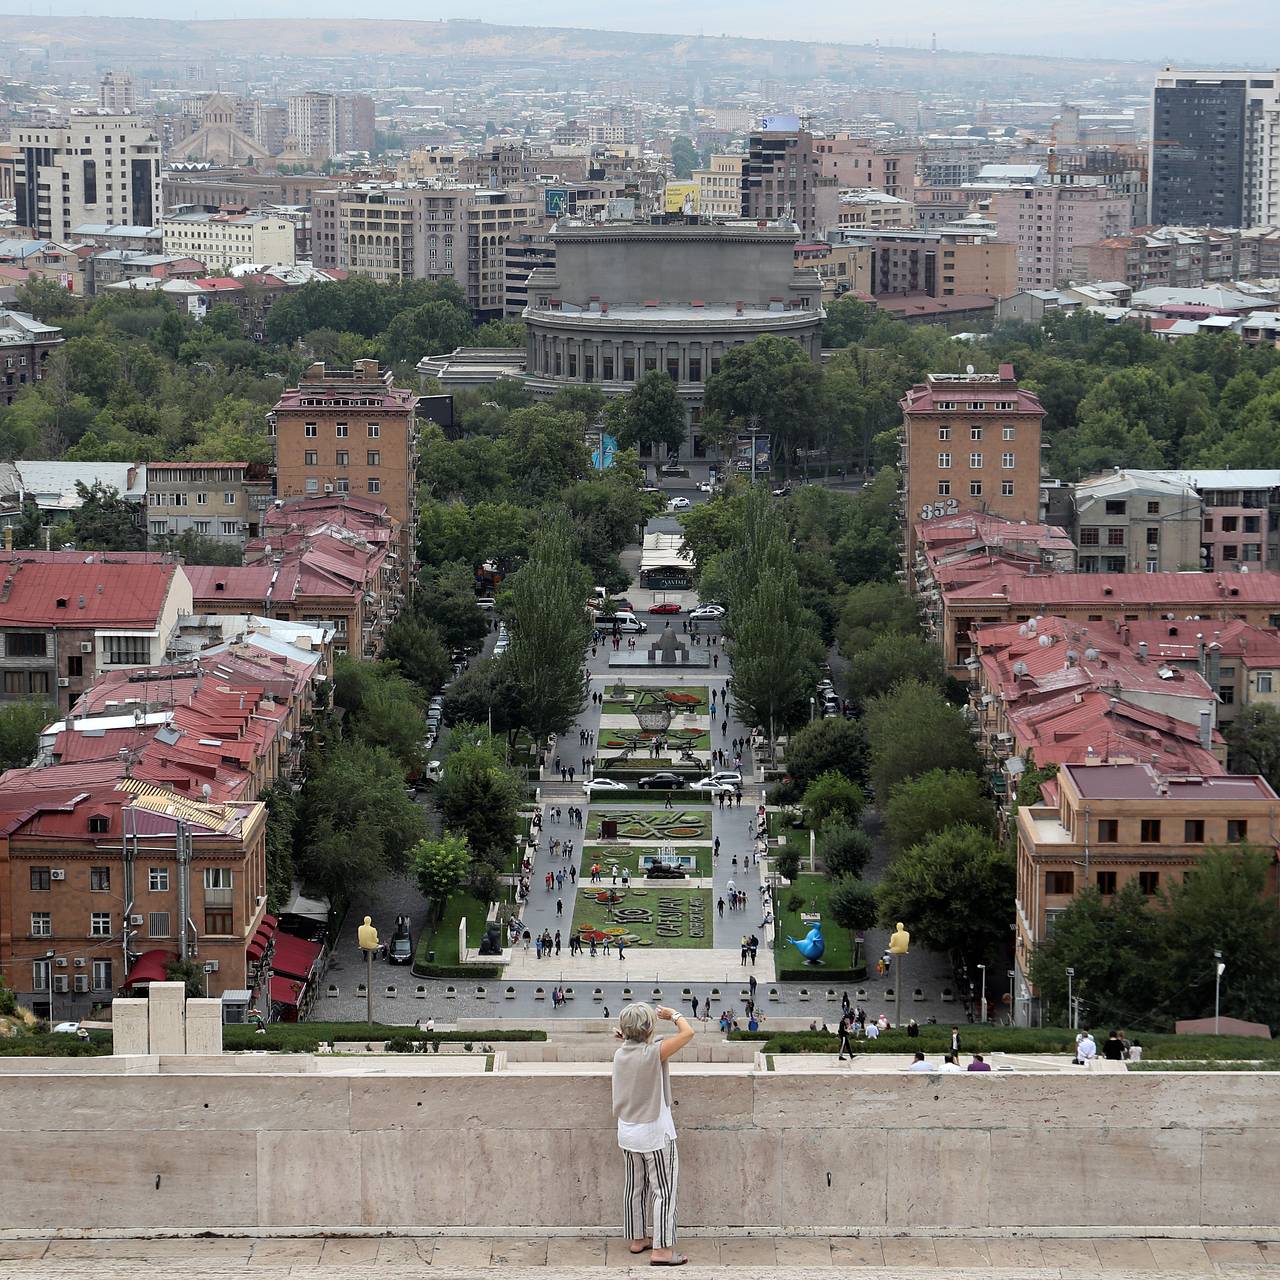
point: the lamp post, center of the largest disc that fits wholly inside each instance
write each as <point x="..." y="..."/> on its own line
<point x="1071" y="1006"/>
<point x="1219" y="968"/>
<point x="1013" y="1019"/>
<point x="368" y="937"/>
<point x="983" y="967"/>
<point x="813" y="707"/>
<point x="899" y="944"/>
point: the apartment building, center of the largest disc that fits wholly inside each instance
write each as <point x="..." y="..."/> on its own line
<point x="208" y="498"/>
<point x="523" y="252"/>
<point x="1103" y="826"/>
<point x="225" y="240"/>
<point x="1129" y="521"/>
<point x="99" y="870"/>
<point x="1168" y="257"/>
<point x="1047" y="221"/>
<point x="934" y="264"/>
<point x="868" y="209"/>
<point x="428" y="232"/>
<point x="780" y="174"/>
<point x="350" y="434"/>
<point x="720" y="186"/>
<point x="25" y="346"/>
<point x="322" y="125"/>
<point x="94" y="168"/>
<point x="1215" y="139"/>
<point x="970" y="440"/>
<point x="853" y="162"/>
<point x="67" y="615"/>
<point x="841" y="267"/>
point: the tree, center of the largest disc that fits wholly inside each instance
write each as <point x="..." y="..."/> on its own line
<point x="935" y="800"/>
<point x="430" y="329"/>
<point x="499" y="333"/>
<point x="1253" y="741"/>
<point x="955" y="891"/>
<point x="825" y="745"/>
<point x="282" y="822"/>
<point x="684" y="156"/>
<point x="485" y="693"/>
<point x="843" y="850"/>
<point x="889" y="660"/>
<point x="193" y="548"/>
<point x="911" y="730"/>
<point x="189" y="973"/>
<point x="874" y="609"/>
<point x="549" y="630"/>
<point x="551" y="449"/>
<point x="27" y="532"/>
<point x="446" y="597"/>
<point x="854" y="908"/>
<point x="105" y="521"/>
<point x="787" y="862"/>
<point x="416" y="648"/>
<point x="21" y="724"/>
<point x="441" y="866"/>
<point x="847" y="322"/>
<point x="650" y="414"/>
<point x="830" y="796"/>
<point x="479" y="795"/>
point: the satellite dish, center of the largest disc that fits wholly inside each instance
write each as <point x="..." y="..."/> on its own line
<point x="969" y="369"/>
<point x="1045" y="641"/>
<point x="206" y="791"/>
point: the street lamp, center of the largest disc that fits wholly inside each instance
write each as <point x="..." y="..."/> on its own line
<point x="1071" y="1007"/>
<point x="368" y="937"/>
<point x="899" y="943"/>
<point x="983" y="967"/>
<point x="1219" y="969"/>
<point x="813" y="707"/>
<point x="1013" y="1021"/>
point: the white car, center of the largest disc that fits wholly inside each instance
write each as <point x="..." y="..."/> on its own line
<point x="729" y="777"/>
<point x="708" y="613"/>
<point x="679" y="504"/>
<point x="603" y="784"/>
<point x="433" y="772"/>
<point x="68" y="1028"/>
<point x="711" y="785"/>
<point x="487" y="603"/>
<point x="706" y="487"/>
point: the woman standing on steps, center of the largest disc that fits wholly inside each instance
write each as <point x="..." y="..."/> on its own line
<point x="646" y="1130"/>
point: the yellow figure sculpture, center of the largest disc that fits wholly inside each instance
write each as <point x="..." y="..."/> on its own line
<point x="368" y="935"/>
<point x="899" y="940"/>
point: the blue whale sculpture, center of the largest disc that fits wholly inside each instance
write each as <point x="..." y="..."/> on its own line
<point x="812" y="945"/>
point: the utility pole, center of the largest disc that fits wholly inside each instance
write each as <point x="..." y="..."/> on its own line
<point x="1071" y="1004"/>
<point x="1218" y="969"/>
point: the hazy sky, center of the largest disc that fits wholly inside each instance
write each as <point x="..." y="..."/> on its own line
<point x="1153" y="30"/>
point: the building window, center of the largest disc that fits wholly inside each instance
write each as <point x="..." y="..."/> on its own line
<point x="975" y="462"/>
<point x="1115" y="537"/>
<point x="202" y="499"/>
<point x="310" y="430"/>
<point x="41" y="924"/>
<point x="944" y="461"/>
<point x="1227" y="694"/>
<point x="217" y="922"/>
<point x="1007" y="433"/>
<point x="1115" y="507"/>
<point x="374" y="431"/>
<point x="944" y="433"/>
<point x="1193" y="831"/>
<point x="131" y="651"/>
<point x="1006" y="488"/>
<point x="158" y="924"/>
<point x="1153" y="508"/>
<point x="373" y="458"/>
<point x="340" y="430"/>
<point x="341" y="457"/>
<point x="1237" y="830"/>
<point x="75" y="666"/>
<point x="1089" y="536"/>
<point x="1007" y="461"/>
<point x="230" y="528"/>
<point x="1149" y="882"/>
<point x="313" y="485"/>
<point x="1264" y="682"/>
<point x="1108" y="830"/>
<point x="40" y="879"/>
<point x="158" y="879"/>
<point x="944" y="488"/>
<point x="1106" y="883"/>
<point x="1150" y="831"/>
<point x="375" y="484"/>
<point x="343" y="484"/>
<point x="629" y="368"/>
<point x="1153" y="536"/>
<point x="101" y="973"/>
<point x="40" y="972"/>
<point x="311" y="458"/>
<point x="99" y="877"/>
<point x="100" y="924"/>
<point x="1059" y="882"/>
<point x="975" y="488"/>
<point x="24" y="644"/>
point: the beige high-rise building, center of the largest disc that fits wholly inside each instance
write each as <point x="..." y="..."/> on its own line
<point x="325" y="124"/>
<point x="720" y="187"/>
<point x="116" y="94"/>
<point x="94" y="168"/>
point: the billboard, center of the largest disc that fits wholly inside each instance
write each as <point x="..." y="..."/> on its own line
<point x="743" y="450"/>
<point x="556" y="201"/>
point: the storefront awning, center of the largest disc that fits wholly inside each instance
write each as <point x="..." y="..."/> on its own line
<point x="149" y="967"/>
<point x="295" y="957"/>
<point x="286" y="991"/>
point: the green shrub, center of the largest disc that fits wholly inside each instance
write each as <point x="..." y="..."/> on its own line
<point x="477" y="971"/>
<point x="61" y="1045"/>
<point x="816" y="976"/>
<point x="305" y="1037"/>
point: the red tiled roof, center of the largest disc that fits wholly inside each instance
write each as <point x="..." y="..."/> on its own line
<point x="229" y="582"/>
<point x="1184" y="590"/>
<point x="91" y="595"/>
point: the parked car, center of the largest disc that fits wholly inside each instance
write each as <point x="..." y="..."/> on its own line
<point x="603" y="784"/>
<point x="433" y="771"/>
<point x="624" y="622"/>
<point x="487" y="603"/>
<point x="707" y="613"/>
<point x="665" y="606"/>
<point x="679" y="504"/>
<point x="730" y="777"/>
<point x="784" y="492"/>
<point x="400" y="949"/>
<point x="662" y="782"/>
<point x="711" y="785"/>
<point x="707" y="486"/>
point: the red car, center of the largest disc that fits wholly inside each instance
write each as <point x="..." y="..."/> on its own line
<point x="667" y="606"/>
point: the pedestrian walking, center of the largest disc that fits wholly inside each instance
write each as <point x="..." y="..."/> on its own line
<point x="720" y="907"/>
<point x="559" y="907"/>
<point x="642" y="1104"/>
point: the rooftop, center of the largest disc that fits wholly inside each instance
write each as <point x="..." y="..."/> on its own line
<point x="83" y="593"/>
<point x="1143" y="782"/>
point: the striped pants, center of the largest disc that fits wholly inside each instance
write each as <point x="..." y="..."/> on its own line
<point x="650" y="1195"/>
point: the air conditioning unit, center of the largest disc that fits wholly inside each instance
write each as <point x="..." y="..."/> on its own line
<point x="64" y="682"/>
<point x="80" y="962"/>
<point x="57" y="874"/>
<point x="86" y="646"/>
<point x="136" y="921"/>
<point x="61" y="982"/>
<point x="60" y="961"/>
<point x="82" y="982"/>
<point x="328" y="488"/>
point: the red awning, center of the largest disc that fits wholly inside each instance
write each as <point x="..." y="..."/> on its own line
<point x="149" y="967"/>
<point x="270" y="921"/>
<point x="255" y="949"/>
<point x="294" y="956"/>
<point x="286" y="991"/>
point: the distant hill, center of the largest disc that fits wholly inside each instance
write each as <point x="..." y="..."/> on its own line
<point x="460" y="43"/>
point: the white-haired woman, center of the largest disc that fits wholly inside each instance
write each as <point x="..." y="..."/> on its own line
<point x="646" y="1129"/>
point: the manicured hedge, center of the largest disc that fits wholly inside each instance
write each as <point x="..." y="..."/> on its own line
<point x="61" y="1045"/>
<point x="819" y="979"/>
<point x="304" y="1037"/>
<point x="477" y="971"/>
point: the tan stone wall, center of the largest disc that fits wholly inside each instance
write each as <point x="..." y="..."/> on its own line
<point x="789" y="1153"/>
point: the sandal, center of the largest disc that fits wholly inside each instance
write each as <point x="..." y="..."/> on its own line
<point x="676" y="1260"/>
<point x="642" y="1249"/>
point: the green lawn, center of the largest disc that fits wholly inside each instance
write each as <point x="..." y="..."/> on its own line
<point x="655" y="917"/>
<point x="813" y="891"/>
<point x="671" y="825"/>
<point x="443" y="939"/>
<point x="614" y="707"/>
<point x="629" y="856"/>
<point x="693" y="739"/>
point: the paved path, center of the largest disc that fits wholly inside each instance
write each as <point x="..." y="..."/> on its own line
<point x="578" y="1257"/>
